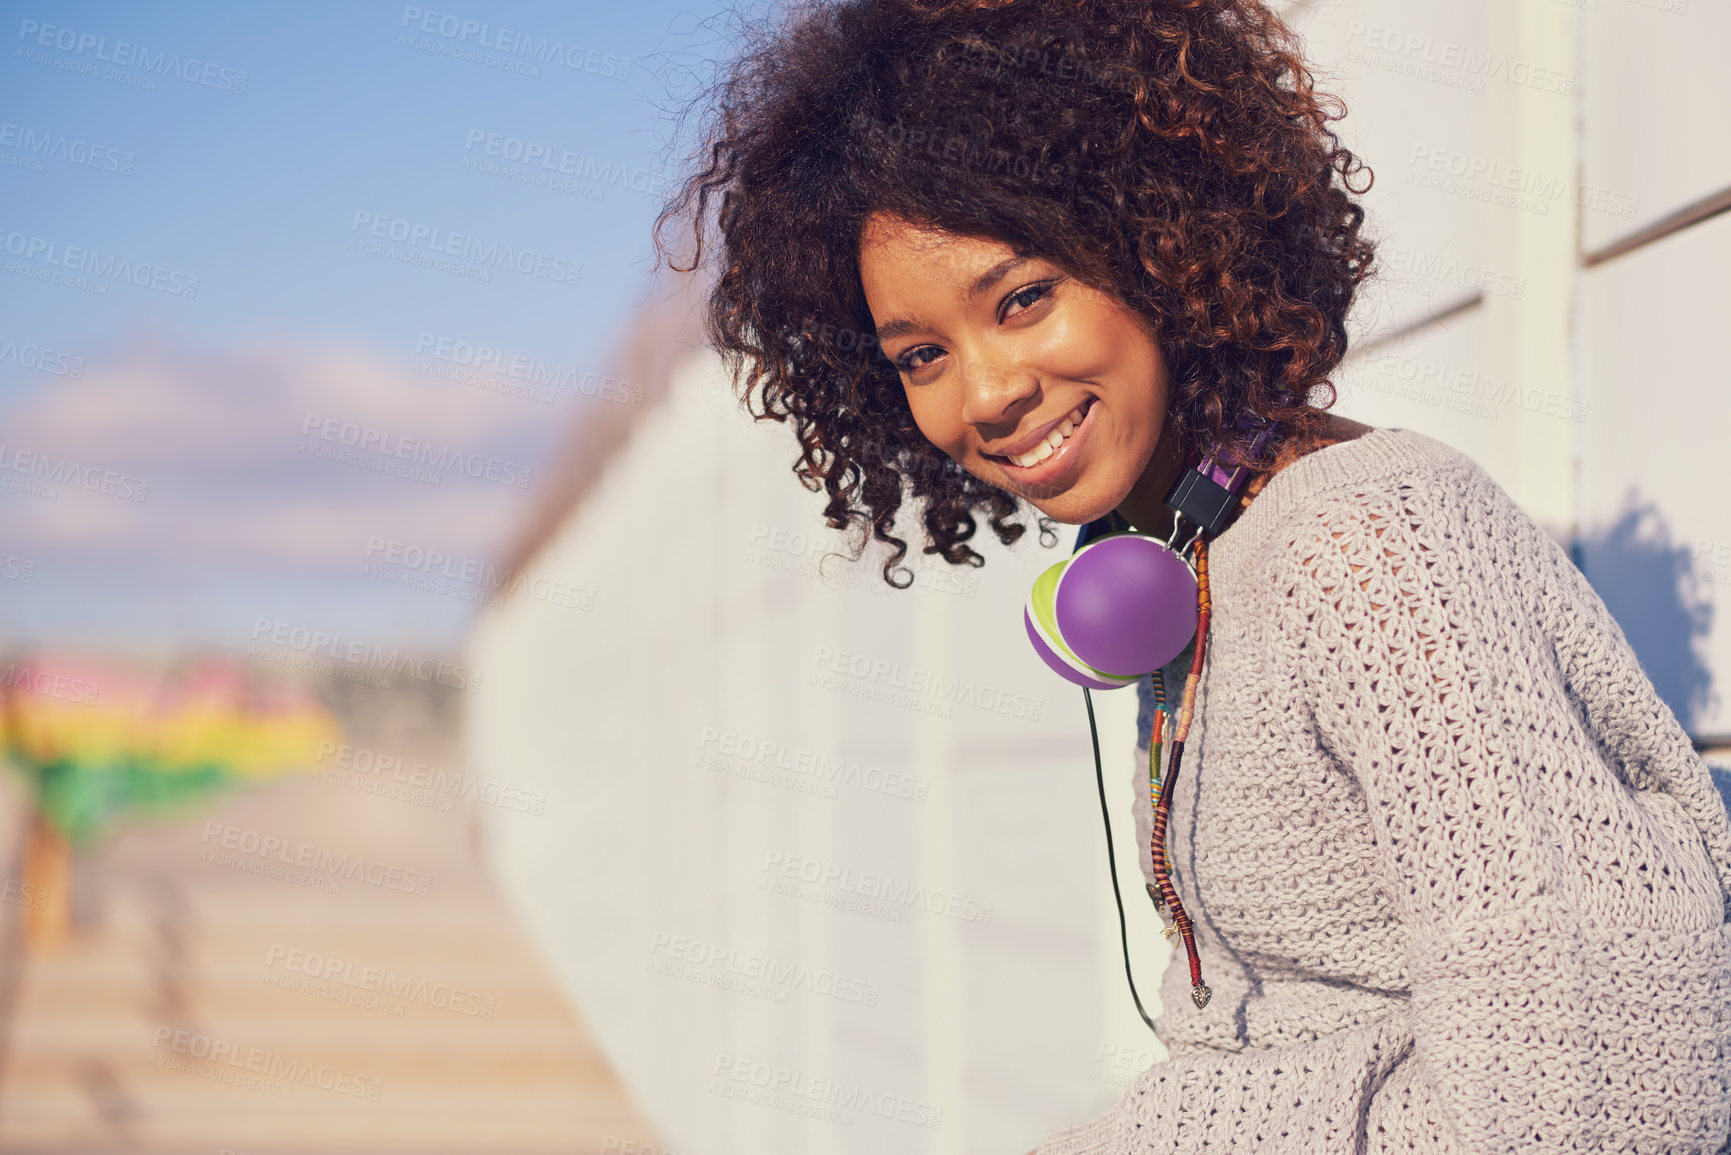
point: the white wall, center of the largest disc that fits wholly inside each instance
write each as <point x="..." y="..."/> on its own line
<point x="698" y="625"/>
<point x="1593" y="394"/>
<point x="1512" y="141"/>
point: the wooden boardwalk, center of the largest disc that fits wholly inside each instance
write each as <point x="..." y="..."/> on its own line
<point x="201" y="1005"/>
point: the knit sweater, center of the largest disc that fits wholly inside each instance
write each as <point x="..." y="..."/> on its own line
<point x="1459" y="880"/>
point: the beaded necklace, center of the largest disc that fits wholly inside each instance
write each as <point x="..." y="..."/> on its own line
<point x="1164" y="894"/>
<point x="1205" y="500"/>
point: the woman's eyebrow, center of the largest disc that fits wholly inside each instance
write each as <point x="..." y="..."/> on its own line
<point x="993" y="275"/>
<point x="890" y="330"/>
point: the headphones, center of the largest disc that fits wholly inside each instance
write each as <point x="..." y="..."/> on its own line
<point x="1122" y="606"/>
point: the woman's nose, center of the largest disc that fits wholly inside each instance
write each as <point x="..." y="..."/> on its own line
<point x="993" y="392"/>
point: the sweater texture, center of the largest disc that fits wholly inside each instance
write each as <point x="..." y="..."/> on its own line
<point x="1459" y="879"/>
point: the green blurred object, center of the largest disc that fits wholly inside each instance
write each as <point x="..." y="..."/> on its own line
<point x="100" y="740"/>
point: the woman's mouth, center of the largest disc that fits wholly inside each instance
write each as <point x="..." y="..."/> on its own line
<point x="1051" y="459"/>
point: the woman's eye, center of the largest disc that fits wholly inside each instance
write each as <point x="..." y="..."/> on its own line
<point x="1026" y="297"/>
<point x="917" y="358"/>
<point x="1022" y="299"/>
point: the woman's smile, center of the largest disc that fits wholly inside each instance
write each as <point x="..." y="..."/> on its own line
<point x="1056" y="457"/>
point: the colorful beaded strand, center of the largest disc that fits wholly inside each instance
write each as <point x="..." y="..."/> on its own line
<point x="1156" y="741"/>
<point x="1199" y="992"/>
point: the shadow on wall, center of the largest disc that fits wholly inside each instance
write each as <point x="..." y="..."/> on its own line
<point x="1661" y="600"/>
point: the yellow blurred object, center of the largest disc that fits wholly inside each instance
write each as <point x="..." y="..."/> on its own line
<point x="101" y="739"/>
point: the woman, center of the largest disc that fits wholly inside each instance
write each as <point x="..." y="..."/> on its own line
<point x="1458" y="880"/>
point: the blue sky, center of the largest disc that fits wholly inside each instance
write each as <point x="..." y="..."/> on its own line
<point x="308" y="197"/>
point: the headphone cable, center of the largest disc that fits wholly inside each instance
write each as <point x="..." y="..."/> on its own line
<point x="1112" y="859"/>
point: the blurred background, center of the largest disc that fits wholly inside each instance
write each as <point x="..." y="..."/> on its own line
<point x="432" y="721"/>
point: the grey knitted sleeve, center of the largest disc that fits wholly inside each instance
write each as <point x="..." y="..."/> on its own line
<point x="1567" y="941"/>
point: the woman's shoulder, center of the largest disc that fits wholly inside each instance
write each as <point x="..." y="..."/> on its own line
<point x="1371" y="467"/>
<point x="1358" y="489"/>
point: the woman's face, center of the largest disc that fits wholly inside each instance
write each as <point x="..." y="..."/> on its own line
<point x="998" y="354"/>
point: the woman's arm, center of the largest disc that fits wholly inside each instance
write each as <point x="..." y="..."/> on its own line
<point x="1308" y="1097"/>
<point x="1568" y="950"/>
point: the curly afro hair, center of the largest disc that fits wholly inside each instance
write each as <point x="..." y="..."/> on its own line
<point x="1172" y="153"/>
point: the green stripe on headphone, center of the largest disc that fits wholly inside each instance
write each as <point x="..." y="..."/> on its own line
<point x="1042" y="608"/>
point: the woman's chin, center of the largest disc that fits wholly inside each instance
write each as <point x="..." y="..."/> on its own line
<point x="1077" y="501"/>
<point x="1078" y="505"/>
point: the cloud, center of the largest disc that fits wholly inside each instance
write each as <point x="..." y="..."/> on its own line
<point x="220" y="438"/>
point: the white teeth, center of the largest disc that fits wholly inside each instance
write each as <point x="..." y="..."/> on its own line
<point x="1053" y="439"/>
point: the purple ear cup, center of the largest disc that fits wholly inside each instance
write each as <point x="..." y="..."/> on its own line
<point x="1126" y="604"/>
<point x="1123" y="605"/>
